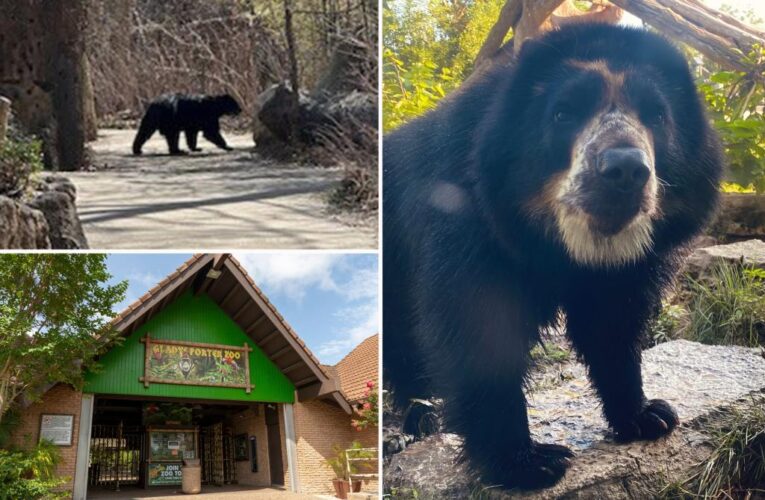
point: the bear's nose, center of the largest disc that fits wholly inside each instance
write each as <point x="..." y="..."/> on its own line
<point x="625" y="169"/>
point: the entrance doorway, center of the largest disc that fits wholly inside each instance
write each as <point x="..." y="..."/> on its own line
<point x="274" y="445"/>
<point x="142" y="444"/>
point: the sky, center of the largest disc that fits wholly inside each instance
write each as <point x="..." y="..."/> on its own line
<point x="329" y="299"/>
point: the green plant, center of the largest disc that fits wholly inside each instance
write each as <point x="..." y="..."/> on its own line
<point x="549" y="353"/>
<point x="668" y="324"/>
<point x="728" y="307"/>
<point x="340" y="465"/>
<point x="736" y="466"/>
<point x="30" y="474"/>
<point x="20" y="157"/>
<point x="734" y="99"/>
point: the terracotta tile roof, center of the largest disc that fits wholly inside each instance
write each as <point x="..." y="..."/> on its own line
<point x="156" y="288"/>
<point x="276" y="313"/>
<point x="358" y="367"/>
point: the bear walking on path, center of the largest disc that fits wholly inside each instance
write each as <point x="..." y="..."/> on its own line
<point x="172" y="114"/>
<point x="563" y="187"/>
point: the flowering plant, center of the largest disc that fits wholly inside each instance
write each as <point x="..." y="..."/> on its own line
<point x="367" y="410"/>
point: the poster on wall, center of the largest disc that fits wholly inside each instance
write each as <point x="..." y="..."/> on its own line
<point x="164" y="474"/>
<point x="57" y="429"/>
<point x="193" y="363"/>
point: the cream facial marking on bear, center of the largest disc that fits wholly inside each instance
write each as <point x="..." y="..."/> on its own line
<point x="615" y="125"/>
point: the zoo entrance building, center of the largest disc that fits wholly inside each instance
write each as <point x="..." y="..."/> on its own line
<point x="207" y="369"/>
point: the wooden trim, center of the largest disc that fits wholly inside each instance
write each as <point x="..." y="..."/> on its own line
<point x="256" y="323"/>
<point x="281" y="352"/>
<point x="247" y="349"/>
<point x="228" y="295"/>
<point x="146" y="355"/>
<point x="169" y="288"/>
<point x="268" y="338"/>
<point x="201" y="344"/>
<point x="293" y="366"/>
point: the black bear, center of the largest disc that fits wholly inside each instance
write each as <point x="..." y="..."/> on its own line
<point x="562" y="187"/>
<point x="172" y="114"/>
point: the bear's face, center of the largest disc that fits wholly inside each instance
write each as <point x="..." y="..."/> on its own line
<point x="605" y="195"/>
<point x="585" y="141"/>
<point x="227" y="105"/>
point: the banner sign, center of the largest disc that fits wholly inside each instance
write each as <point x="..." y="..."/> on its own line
<point x="192" y="363"/>
<point x="57" y="429"/>
<point x="164" y="474"/>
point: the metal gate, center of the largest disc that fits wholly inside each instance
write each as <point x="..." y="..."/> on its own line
<point x="115" y="455"/>
<point x="217" y="454"/>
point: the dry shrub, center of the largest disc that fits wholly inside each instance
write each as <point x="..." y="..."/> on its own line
<point x="139" y="49"/>
<point x="353" y="145"/>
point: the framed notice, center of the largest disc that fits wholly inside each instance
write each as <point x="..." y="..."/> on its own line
<point x="194" y="363"/>
<point x="240" y="448"/>
<point x="57" y="429"/>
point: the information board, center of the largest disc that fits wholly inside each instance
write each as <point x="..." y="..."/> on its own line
<point x="193" y="363"/>
<point x="57" y="429"/>
<point x="164" y="474"/>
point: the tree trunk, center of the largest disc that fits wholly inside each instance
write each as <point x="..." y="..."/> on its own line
<point x="5" y="111"/>
<point x="294" y="82"/>
<point x="716" y="35"/>
<point x="64" y="22"/>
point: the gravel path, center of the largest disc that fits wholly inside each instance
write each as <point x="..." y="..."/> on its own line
<point x="208" y="200"/>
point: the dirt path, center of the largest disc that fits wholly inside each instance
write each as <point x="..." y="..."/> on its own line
<point x="209" y="200"/>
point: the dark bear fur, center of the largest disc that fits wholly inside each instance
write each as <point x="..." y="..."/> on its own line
<point x="476" y="263"/>
<point x="172" y="114"/>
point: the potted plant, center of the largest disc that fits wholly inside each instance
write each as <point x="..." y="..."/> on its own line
<point x="343" y="470"/>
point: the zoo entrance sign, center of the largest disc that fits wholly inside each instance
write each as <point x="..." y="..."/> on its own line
<point x="194" y="363"/>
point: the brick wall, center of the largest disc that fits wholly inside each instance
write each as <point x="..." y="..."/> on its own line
<point x="253" y="423"/>
<point x="62" y="399"/>
<point x="319" y="426"/>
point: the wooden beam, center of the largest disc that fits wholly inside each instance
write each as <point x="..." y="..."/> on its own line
<point x="293" y="366"/>
<point x="281" y="352"/>
<point x="268" y="338"/>
<point x="229" y="294"/>
<point x="241" y="310"/>
<point x="256" y="323"/>
<point x="304" y="381"/>
<point x="700" y="27"/>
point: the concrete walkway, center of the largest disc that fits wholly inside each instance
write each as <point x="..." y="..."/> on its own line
<point x="212" y="199"/>
<point x="208" y="493"/>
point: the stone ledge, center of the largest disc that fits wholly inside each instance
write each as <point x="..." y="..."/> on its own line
<point x="702" y="382"/>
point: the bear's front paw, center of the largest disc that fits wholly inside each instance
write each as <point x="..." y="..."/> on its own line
<point x="656" y="419"/>
<point x="540" y="466"/>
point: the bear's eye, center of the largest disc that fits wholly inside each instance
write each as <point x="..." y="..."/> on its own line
<point x="654" y="116"/>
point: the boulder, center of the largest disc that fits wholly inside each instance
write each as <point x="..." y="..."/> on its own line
<point x="57" y="202"/>
<point x="704" y="383"/>
<point x="316" y="116"/>
<point x="740" y="216"/>
<point x="749" y="253"/>
<point x="22" y="227"/>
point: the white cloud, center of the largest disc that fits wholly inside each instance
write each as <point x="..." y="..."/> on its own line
<point x="294" y="274"/>
<point x="291" y="274"/>
<point x="357" y="323"/>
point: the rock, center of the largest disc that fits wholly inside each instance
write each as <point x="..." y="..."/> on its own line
<point x="57" y="202"/>
<point x="316" y="117"/>
<point x="740" y="216"/>
<point x="22" y="227"/>
<point x="750" y="253"/>
<point x="702" y="382"/>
